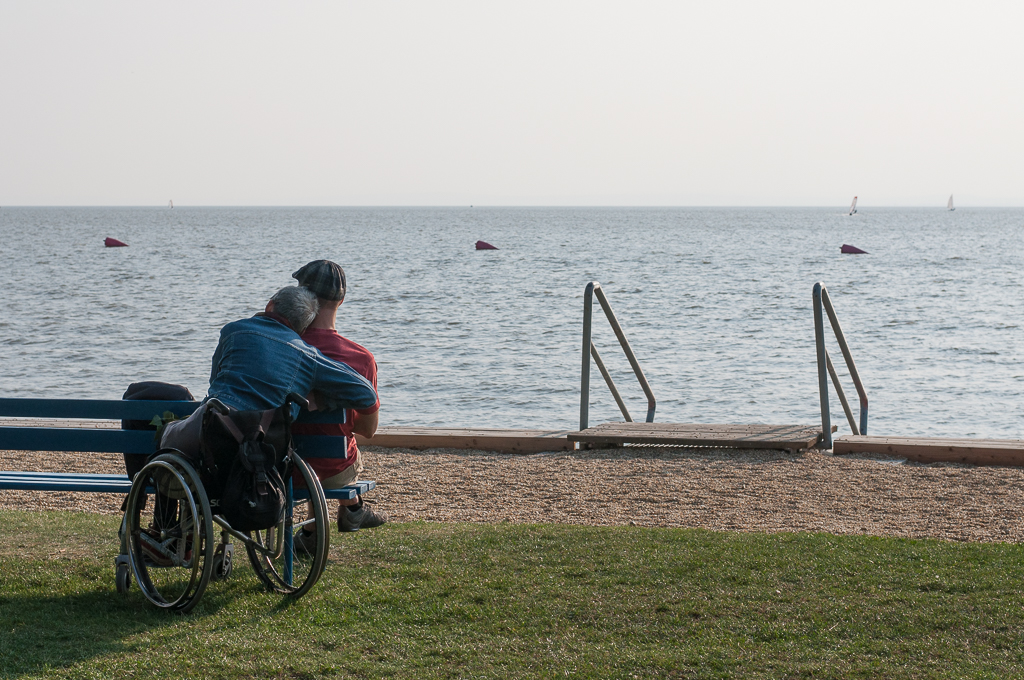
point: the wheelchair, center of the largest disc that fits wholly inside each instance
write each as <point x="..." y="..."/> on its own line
<point x="174" y="551"/>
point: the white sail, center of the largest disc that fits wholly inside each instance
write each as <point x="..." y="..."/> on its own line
<point x="170" y="204"/>
<point x="853" y="206"/>
<point x="949" y="204"/>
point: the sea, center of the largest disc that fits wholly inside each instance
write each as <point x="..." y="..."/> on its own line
<point x="716" y="303"/>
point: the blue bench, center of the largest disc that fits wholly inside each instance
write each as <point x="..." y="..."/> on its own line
<point x="110" y="440"/>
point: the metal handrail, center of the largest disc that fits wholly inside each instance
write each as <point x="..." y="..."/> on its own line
<point x="821" y="299"/>
<point x="590" y="350"/>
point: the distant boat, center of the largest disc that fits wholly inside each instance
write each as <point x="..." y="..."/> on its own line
<point x="170" y="204"/>
<point x="484" y="245"/>
<point x="852" y="250"/>
<point x="114" y="243"/>
<point x="853" y="206"/>
<point x="949" y="203"/>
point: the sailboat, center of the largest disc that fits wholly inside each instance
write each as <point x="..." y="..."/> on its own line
<point x="170" y="204"/>
<point x="853" y="206"/>
<point x="949" y="203"/>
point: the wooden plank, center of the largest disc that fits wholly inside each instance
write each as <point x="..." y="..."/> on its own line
<point x="115" y="409"/>
<point x="82" y="411"/>
<point x="4" y="474"/>
<point x="65" y="482"/>
<point x="320" y="446"/>
<point x="739" y="436"/>
<point x="484" y="439"/>
<point x="107" y="440"/>
<point x="86" y="440"/>
<point x="349" y="493"/>
<point x="95" y="483"/>
<point x="77" y="423"/>
<point x="696" y="427"/>
<point x="330" y="417"/>
<point x="1006" y="452"/>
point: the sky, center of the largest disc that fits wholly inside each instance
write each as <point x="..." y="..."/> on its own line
<point x="517" y="103"/>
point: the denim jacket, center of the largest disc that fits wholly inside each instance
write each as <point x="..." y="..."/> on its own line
<point x="259" y="361"/>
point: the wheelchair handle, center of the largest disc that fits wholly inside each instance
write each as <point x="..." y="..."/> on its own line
<point x="294" y="398"/>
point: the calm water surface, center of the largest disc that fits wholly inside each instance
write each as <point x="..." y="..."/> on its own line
<point x="716" y="302"/>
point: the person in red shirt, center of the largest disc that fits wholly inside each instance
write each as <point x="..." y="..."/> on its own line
<point x="326" y="280"/>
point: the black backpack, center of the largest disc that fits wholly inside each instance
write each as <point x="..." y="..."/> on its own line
<point x="150" y="391"/>
<point x="253" y="495"/>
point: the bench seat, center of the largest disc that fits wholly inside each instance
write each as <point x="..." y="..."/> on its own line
<point x="64" y="481"/>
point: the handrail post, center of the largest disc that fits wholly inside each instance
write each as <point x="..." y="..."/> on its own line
<point x="588" y="313"/>
<point x="819" y="347"/>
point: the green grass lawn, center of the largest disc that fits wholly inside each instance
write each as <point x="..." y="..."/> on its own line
<point x="456" y="600"/>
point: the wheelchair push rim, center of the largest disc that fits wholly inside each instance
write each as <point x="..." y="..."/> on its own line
<point x="172" y="564"/>
<point x="293" y="571"/>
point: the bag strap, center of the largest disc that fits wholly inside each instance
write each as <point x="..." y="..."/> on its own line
<point x="261" y="429"/>
<point x="230" y="426"/>
<point x="268" y="417"/>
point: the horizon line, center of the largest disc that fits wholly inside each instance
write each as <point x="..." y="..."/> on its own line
<point x="860" y="207"/>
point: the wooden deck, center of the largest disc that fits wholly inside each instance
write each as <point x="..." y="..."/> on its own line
<point x="502" y="441"/>
<point x="788" y="437"/>
<point x="1009" y="452"/>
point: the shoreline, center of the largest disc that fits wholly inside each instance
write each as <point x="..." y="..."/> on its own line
<point x="715" y="489"/>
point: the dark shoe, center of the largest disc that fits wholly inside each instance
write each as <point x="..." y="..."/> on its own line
<point x="363" y="518"/>
<point x="305" y="542"/>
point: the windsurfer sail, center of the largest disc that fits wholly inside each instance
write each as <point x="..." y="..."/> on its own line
<point x="949" y="203"/>
<point x="853" y="206"/>
<point x="170" y="204"/>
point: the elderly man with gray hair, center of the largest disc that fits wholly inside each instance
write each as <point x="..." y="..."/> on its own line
<point x="261" y="360"/>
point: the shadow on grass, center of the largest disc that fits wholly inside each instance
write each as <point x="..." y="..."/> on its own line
<point x="43" y="632"/>
<point x="40" y="632"/>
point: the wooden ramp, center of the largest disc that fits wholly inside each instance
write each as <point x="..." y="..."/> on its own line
<point x="789" y="437"/>
<point x="1009" y="452"/>
<point x="503" y="441"/>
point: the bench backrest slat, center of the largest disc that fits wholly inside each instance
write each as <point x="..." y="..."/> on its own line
<point x="93" y="408"/>
<point x="320" y="446"/>
<point x="131" y="441"/>
<point x="117" y="409"/>
<point x="69" y="439"/>
<point x="111" y="440"/>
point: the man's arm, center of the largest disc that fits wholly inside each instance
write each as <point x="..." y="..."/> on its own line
<point x="341" y="385"/>
<point x="215" y="367"/>
<point x="365" y="425"/>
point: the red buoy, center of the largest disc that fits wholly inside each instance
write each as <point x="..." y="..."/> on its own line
<point x="484" y="245"/>
<point x="852" y="250"/>
<point x="114" y="243"/>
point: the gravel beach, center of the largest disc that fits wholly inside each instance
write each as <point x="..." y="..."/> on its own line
<point x="766" y="491"/>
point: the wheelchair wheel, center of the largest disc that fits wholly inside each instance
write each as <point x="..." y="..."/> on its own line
<point x="296" y="570"/>
<point x="170" y="549"/>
